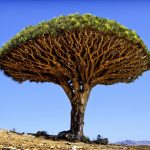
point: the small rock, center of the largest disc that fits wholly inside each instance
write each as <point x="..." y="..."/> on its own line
<point x="67" y="143"/>
<point x="9" y="148"/>
<point x="74" y="147"/>
<point x="52" y="147"/>
<point x="41" y="144"/>
<point x="58" y="146"/>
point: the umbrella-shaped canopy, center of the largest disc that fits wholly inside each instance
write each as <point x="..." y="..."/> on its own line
<point x="83" y="47"/>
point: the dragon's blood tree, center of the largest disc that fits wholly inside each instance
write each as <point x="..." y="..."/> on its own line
<point x="76" y="52"/>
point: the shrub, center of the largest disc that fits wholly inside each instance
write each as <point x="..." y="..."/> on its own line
<point x="101" y="140"/>
<point x="86" y="139"/>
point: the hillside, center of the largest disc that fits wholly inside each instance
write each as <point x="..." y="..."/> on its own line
<point x="14" y="141"/>
<point x="136" y="143"/>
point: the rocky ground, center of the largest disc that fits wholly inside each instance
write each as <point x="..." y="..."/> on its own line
<point x="14" y="141"/>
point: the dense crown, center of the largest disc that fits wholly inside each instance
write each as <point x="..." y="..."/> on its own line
<point x="75" y="50"/>
<point x="68" y="23"/>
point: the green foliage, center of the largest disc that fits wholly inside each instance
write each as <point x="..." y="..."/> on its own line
<point x="86" y="139"/>
<point x="41" y="133"/>
<point x="149" y="55"/>
<point x="70" y="22"/>
<point x="101" y="140"/>
<point x="149" y="58"/>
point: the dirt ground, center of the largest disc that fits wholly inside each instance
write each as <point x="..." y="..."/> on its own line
<point x="13" y="141"/>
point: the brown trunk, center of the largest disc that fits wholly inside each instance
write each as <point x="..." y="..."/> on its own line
<point x="77" y="113"/>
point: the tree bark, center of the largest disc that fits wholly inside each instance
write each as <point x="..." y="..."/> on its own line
<point x="77" y="113"/>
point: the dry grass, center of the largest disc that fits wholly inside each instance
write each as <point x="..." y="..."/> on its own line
<point x="13" y="141"/>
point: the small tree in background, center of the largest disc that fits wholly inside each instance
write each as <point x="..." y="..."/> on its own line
<point x="76" y="52"/>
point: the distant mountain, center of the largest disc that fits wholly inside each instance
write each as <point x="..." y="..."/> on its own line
<point x="134" y="143"/>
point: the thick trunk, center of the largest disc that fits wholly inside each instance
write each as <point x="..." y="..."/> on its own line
<point x="77" y="113"/>
<point x="77" y="120"/>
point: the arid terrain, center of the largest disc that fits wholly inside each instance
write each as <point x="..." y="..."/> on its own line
<point x="13" y="141"/>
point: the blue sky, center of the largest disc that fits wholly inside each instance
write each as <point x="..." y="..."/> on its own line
<point x="119" y="111"/>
